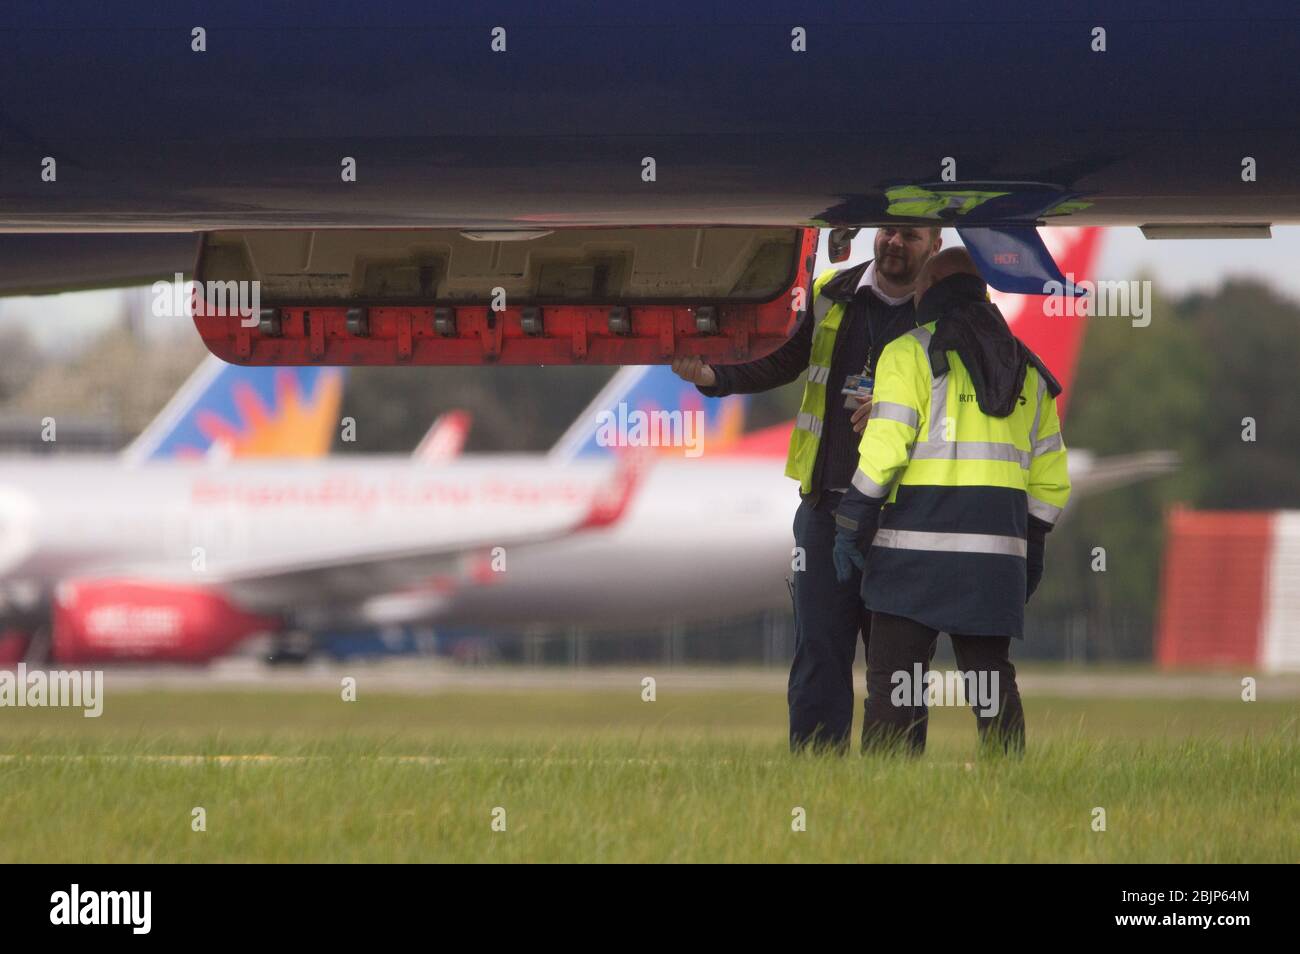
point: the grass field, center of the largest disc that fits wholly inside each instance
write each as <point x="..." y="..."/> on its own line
<point x="603" y="776"/>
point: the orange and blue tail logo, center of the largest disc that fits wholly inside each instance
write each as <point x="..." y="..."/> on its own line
<point x="650" y="407"/>
<point x="225" y="411"/>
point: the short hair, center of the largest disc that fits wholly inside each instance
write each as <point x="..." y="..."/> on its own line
<point x="950" y="261"/>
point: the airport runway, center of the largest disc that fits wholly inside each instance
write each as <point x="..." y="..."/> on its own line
<point x="416" y="677"/>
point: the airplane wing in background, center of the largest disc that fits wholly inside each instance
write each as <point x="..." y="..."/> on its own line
<point x="1090" y="475"/>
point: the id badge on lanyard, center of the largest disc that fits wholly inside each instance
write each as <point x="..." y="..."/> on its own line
<point x="858" y="387"/>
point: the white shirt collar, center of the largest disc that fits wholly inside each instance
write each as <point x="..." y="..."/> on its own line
<point x="869" y="281"/>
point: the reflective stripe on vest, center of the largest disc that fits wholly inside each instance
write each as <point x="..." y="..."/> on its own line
<point x="951" y="542"/>
<point x="1053" y="442"/>
<point x="1048" y="444"/>
<point x="971" y="450"/>
<point x="1044" y="511"/>
<point x="869" y="486"/>
<point x="889" y="411"/>
<point x="806" y="422"/>
<point x="938" y="447"/>
<point x="806" y="435"/>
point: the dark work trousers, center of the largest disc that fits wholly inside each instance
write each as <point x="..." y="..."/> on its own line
<point x="898" y="645"/>
<point x="828" y="618"/>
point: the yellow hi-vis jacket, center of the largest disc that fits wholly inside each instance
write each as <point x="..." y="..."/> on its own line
<point x="959" y="486"/>
<point x="802" y="456"/>
<point x="827" y="315"/>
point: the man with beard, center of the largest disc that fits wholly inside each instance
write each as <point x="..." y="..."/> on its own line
<point x="853" y="314"/>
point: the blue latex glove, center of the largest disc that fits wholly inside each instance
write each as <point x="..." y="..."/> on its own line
<point x="855" y="526"/>
<point x="847" y="556"/>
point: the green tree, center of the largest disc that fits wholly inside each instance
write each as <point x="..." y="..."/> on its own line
<point x="1183" y="383"/>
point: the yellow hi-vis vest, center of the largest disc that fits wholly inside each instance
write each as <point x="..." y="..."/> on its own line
<point x="959" y="487"/>
<point x="807" y="432"/>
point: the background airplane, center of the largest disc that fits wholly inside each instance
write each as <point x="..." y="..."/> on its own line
<point x="222" y="412"/>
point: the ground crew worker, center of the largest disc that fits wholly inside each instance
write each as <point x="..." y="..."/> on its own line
<point x="853" y="314"/>
<point x="963" y="470"/>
